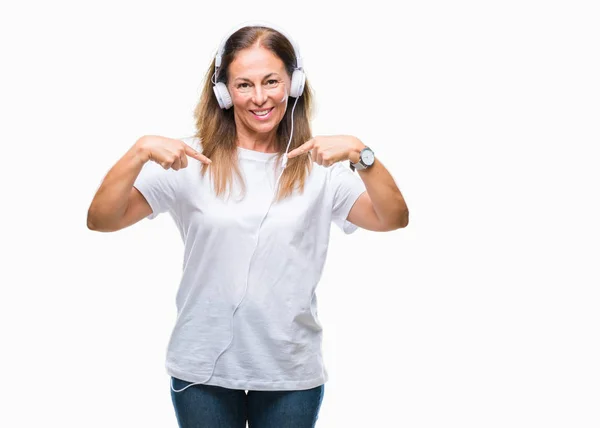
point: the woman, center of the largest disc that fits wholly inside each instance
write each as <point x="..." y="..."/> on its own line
<point x="255" y="219"/>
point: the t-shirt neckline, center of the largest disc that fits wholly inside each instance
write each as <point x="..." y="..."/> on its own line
<point x="255" y="155"/>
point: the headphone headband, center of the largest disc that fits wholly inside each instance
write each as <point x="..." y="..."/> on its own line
<point x="219" y="55"/>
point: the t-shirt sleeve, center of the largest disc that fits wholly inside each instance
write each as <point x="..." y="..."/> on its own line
<point x="347" y="186"/>
<point x="159" y="186"/>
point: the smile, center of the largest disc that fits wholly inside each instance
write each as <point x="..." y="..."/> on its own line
<point x="262" y="114"/>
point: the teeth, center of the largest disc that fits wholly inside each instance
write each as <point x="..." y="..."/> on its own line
<point x="261" y="113"/>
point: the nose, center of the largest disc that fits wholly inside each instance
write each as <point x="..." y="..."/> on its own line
<point x="259" y="96"/>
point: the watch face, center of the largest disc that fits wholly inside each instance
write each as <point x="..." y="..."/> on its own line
<point x="368" y="157"/>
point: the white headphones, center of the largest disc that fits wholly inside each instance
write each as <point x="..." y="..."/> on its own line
<point x="298" y="76"/>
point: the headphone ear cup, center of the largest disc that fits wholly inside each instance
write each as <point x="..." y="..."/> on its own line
<point x="298" y="79"/>
<point x="223" y="96"/>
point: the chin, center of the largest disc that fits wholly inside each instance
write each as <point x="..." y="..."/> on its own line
<point x="263" y="130"/>
<point x="264" y="127"/>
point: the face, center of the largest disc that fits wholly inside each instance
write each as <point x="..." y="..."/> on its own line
<point x="258" y="83"/>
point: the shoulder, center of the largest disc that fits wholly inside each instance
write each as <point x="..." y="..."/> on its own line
<point x="331" y="179"/>
<point x="329" y="172"/>
<point x="340" y="171"/>
<point x="332" y="175"/>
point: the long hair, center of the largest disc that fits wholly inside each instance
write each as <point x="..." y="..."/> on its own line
<point x="215" y="127"/>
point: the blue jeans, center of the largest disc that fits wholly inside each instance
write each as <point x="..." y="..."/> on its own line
<point x="208" y="406"/>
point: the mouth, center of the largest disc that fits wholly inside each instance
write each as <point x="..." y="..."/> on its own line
<point x="262" y="114"/>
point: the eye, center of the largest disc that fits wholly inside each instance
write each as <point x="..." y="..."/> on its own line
<point x="241" y="85"/>
<point x="272" y="82"/>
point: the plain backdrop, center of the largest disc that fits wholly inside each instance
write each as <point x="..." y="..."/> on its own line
<point x="483" y="312"/>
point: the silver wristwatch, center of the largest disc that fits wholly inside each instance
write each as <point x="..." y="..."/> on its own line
<point x="366" y="160"/>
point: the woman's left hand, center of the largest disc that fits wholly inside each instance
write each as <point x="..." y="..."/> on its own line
<point x="327" y="150"/>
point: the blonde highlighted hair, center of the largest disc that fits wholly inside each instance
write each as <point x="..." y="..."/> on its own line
<point x="216" y="127"/>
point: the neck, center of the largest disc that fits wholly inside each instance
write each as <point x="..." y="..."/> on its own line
<point x="265" y="143"/>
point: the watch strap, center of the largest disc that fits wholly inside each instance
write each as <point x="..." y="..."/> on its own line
<point x="359" y="165"/>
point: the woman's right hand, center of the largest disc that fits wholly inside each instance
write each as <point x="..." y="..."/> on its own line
<point x="168" y="152"/>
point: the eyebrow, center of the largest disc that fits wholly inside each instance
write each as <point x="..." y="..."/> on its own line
<point x="248" y="80"/>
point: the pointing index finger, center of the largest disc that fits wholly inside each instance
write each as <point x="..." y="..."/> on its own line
<point x="304" y="148"/>
<point x="196" y="155"/>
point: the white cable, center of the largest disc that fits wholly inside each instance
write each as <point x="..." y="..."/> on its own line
<point x="283" y="164"/>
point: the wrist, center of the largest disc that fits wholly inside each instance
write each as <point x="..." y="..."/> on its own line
<point x="140" y="151"/>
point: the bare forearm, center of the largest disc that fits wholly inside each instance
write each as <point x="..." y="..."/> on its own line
<point x="111" y="198"/>
<point x="388" y="202"/>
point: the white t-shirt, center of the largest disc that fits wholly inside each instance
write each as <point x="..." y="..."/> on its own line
<point x="276" y="332"/>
